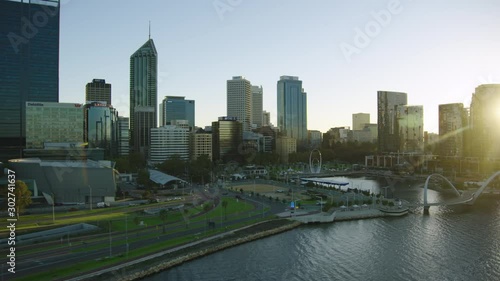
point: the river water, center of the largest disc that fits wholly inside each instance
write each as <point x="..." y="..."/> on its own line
<point x="451" y="243"/>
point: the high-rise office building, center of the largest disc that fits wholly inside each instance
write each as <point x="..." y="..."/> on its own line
<point x="29" y="66"/>
<point x="266" y="118"/>
<point x="169" y="141"/>
<point x="388" y="127"/>
<point x="314" y="137"/>
<point x="177" y="108"/>
<point x="485" y="121"/>
<point x="411" y="128"/>
<point x="144" y="118"/>
<point x="101" y="128"/>
<point x="257" y="117"/>
<point x="201" y="144"/>
<point x="53" y="122"/>
<point x="98" y="90"/>
<point x="123" y="136"/>
<point x="227" y="136"/>
<point x="239" y="101"/>
<point x="292" y="109"/>
<point x="452" y="126"/>
<point x="359" y="120"/>
<point x="143" y="93"/>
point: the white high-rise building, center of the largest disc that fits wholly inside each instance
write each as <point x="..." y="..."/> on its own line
<point x="257" y="117"/>
<point x="123" y="136"/>
<point x="169" y="141"/>
<point x="239" y="101"/>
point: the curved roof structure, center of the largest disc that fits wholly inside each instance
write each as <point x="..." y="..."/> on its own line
<point x="162" y="178"/>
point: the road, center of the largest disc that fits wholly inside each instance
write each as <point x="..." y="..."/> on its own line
<point x="66" y="252"/>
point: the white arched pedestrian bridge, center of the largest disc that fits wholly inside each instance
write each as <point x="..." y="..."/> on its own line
<point x="465" y="197"/>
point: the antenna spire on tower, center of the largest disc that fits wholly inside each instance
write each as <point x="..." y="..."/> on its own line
<point x="149" y="29"/>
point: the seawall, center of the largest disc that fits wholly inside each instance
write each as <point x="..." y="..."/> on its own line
<point x="170" y="259"/>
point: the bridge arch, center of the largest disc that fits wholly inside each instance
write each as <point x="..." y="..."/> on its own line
<point x="427" y="183"/>
<point x="483" y="187"/>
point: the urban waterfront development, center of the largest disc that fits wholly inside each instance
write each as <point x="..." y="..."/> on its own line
<point x="451" y="243"/>
<point x="249" y="140"/>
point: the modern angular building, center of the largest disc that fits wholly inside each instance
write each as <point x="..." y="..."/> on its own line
<point x="227" y="137"/>
<point x="169" y="141"/>
<point x="292" y="109"/>
<point x="101" y="128"/>
<point x="359" y="120"/>
<point x="452" y="125"/>
<point x="98" y="90"/>
<point x="257" y="117"/>
<point x="388" y="127"/>
<point x="123" y="136"/>
<point x="53" y="122"/>
<point x="143" y="93"/>
<point x="29" y="65"/>
<point x="239" y="101"/>
<point x="485" y="122"/>
<point x="177" y="108"/>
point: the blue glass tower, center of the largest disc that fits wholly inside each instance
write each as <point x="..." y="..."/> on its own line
<point x="292" y="108"/>
<point x="177" y="108"/>
<point x="29" y="65"/>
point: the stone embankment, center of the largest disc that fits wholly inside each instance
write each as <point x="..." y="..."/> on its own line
<point x="237" y="237"/>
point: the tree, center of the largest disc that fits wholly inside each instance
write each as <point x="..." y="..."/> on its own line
<point x="143" y="177"/>
<point x="186" y="217"/>
<point x="163" y="217"/>
<point x="23" y="196"/>
<point x="224" y="205"/>
<point x="206" y="208"/>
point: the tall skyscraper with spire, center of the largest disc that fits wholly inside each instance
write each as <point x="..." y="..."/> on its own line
<point x="143" y="96"/>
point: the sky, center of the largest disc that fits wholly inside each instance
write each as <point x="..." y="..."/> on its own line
<point x="344" y="51"/>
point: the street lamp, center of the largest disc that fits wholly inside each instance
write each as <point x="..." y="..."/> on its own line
<point x="90" y="197"/>
<point x="53" y="211"/>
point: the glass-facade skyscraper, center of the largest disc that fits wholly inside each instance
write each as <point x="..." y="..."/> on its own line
<point x="29" y="65"/>
<point x="388" y="103"/>
<point x="177" y="108"/>
<point x="101" y="127"/>
<point x="143" y="93"/>
<point x="292" y="108"/>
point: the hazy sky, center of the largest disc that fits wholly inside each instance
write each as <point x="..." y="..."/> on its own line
<point x="343" y="51"/>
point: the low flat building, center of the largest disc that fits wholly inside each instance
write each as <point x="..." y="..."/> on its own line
<point x="69" y="181"/>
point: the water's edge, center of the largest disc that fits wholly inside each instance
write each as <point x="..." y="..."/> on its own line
<point x="247" y="234"/>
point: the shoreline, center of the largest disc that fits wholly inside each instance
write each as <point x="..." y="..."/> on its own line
<point x="169" y="259"/>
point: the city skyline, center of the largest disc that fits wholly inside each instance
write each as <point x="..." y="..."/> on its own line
<point x="404" y="54"/>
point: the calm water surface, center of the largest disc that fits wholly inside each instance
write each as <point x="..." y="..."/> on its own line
<point x="451" y="243"/>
